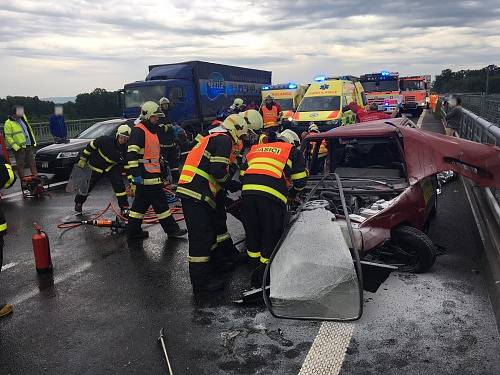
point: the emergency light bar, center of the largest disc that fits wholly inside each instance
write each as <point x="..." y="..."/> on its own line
<point x="282" y="86"/>
<point x="320" y="78"/>
<point x="264" y="88"/>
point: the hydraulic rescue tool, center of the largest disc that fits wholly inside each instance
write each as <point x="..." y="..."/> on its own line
<point x="163" y="343"/>
<point x="33" y="186"/>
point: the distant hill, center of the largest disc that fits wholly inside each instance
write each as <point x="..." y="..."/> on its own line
<point x="60" y="99"/>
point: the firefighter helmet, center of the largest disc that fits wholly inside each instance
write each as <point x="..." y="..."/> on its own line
<point x="124" y="130"/>
<point x="253" y="119"/>
<point x="238" y="102"/>
<point x="236" y="126"/>
<point x="149" y="109"/>
<point x="289" y="136"/>
<point x="313" y="128"/>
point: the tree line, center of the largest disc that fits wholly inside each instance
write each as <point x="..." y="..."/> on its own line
<point x="485" y="80"/>
<point x="96" y="104"/>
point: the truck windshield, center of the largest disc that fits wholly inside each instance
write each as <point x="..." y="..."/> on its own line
<point x="285" y="104"/>
<point x="371" y="86"/>
<point x="135" y="96"/>
<point x="319" y="103"/>
<point x="412" y="85"/>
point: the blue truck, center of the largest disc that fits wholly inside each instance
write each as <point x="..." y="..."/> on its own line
<point x="197" y="90"/>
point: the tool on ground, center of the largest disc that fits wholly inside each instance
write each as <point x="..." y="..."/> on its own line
<point x="33" y="186"/>
<point x="252" y="296"/>
<point x="163" y="343"/>
<point x="41" y="250"/>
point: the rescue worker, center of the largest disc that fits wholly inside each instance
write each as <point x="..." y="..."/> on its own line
<point x="7" y="179"/>
<point x="433" y="99"/>
<point x="143" y="162"/>
<point x="168" y="144"/>
<point x="265" y="195"/>
<point x="105" y="155"/>
<point x="271" y="112"/>
<point x="204" y="175"/>
<point x="237" y="106"/>
<point x="20" y="137"/>
<point x="255" y="124"/>
<point x="318" y="164"/>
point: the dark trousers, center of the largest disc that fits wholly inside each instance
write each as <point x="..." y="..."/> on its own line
<point x="223" y="243"/>
<point x="318" y="166"/>
<point x="146" y="196"/>
<point x="170" y="154"/>
<point x="263" y="220"/>
<point x="115" y="177"/>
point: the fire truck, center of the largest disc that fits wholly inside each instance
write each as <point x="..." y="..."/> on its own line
<point x="415" y="94"/>
<point x="383" y="90"/>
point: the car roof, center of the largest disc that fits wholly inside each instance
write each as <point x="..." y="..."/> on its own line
<point x="379" y="128"/>
<point x="112" y="122"/>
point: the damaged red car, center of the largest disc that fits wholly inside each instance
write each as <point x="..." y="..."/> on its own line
<point x="372" y="205"/>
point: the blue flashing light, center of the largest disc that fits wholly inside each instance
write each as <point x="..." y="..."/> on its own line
<point x="292" y="86"/>
<point x="385" y="73"/>
<point x="320" y="78"/>
<point x="265" y="88"/>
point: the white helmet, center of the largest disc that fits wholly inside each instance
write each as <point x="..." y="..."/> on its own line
<point x="253" y="119"/>
<point x="149" y="109"/>
<point x="289" y="136"/>
<point x="124" y="130"/>
<point x="237" y="103"/>
<point x="236" y="126"/>
<point x="313" y="128"/>
<point x="164" y="101"/>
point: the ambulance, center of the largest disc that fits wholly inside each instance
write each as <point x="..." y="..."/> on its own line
<point x="288" y="96"/>
<point x="325" y="104"/>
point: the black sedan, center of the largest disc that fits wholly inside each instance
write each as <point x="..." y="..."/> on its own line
<point x="59" y="158"/>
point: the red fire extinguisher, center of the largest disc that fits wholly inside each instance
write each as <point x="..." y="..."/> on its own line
<point x="41" y="250"/>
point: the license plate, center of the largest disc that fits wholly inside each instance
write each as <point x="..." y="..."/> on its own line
<point x="45" y="164"/>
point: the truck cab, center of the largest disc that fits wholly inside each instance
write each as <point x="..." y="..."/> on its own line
<point x="288" y="96"/>
<point x="414" y="90"/>
<point x="383" y="90"/>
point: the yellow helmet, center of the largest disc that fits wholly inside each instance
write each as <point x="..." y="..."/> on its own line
<point x="236" y="126"/>
<point x="124" y="130"/>
<point x="289" y="136"/>
<point x="149" y="109"/>
<point x="237" y="103"/>
<point x="313" y="127"/>
<point x="253" y="119"/>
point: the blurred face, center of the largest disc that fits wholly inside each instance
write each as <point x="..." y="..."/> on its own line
<point x="154" y="119"/>
<point x="165" y="107"/>
<point x="269" y="102"/>
<point x="19" y="112"/>
<point x="122" y="139"/>
<point x="58" y="110"/>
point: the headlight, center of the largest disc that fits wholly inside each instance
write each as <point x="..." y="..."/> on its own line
<point x="67" y="155"/>
<point x="290" y="119"/>
<point x="423" y="103"/>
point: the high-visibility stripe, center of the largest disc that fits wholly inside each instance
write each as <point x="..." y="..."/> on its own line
<point x="195" y="195"/>
<point x="253" y="254"/>
<point x="207" y="154"/>
<point x="11" y="179"/>
<point x="223" y="179"/>
<point x="3" y="228"/>
<point x="151" y="181"/>
<point x="198" y="259"/>
<point x="198" y="138"/>
<point x="109" y="168"/>
<point x="164" y="215"/>
<point x="264" y="260"/>
<point x="86" y="152"/>
<point x="298" y="176"/>
<point x="201" y="173"/>
<point x="105" y="157"/>
<point x="135" y="148"/>
<point x="299" y="189"/>
<point x="144" y="161"/>
<point x="265" y="189"/>
<point x="223" y="237"/>
<point x="214" y="246"/>
<point x="174" y="169"/>
<point x="289" y="163"/>
<point x="274" y="162"/>
<point x="265" y="167"/>
<point x="121" y="194"/>
<point x="133" y="164"/>
<point x="219" y="159"/>
<point x="135" y="215"/>
<point x="98" y="170"/>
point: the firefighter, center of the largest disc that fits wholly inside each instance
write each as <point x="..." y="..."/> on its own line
<point x="204" y="175"/>
<point x="255" y="123"/>
<point x="271" y="112"/>
<point x="318" y="164"/>
<point x="143" y="163"/>
<point x="106" y="156"/>
<point x="7" y="179"/>
<point x="265" y="196"/>
<point x="168" y="142"/>
<point x="237" y="106"/>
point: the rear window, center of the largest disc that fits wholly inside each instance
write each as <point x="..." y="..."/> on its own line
<point x="319" y="103"/>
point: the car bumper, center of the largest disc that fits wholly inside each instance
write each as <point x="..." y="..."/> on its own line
<point x="48" y="164"/>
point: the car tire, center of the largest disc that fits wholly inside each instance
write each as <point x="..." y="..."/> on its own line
<point x="416" y="243"/>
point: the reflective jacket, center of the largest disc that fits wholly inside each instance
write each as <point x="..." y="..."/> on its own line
<point x="14" y="134"/>
<point x="103" y="153"/>
<point x="206" y="169"/>
<point x="268" y="168"/>
<point x="7" y="179"/>
<point x="323" y="149"/>
<point x="143" y="153"/>
<point x="270" y="116"/>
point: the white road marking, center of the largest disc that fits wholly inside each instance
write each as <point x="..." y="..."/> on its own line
<point x="421" y="118"/>
<point x="9" y="265"/>
<point x="60" y="278"/>
<point x="328" y="350"/>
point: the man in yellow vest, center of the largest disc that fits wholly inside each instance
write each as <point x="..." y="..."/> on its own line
<point x="204" y="176"/>
<point x="265" y="195"/>
<point x="143" y="163"/>
<point x="271" y="112"/>
<point x="20" y="137"/>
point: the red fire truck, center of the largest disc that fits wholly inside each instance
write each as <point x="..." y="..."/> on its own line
<point x="415" y="94"/>
<point x="383" y="90"/>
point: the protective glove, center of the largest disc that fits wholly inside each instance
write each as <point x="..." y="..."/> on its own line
<point x="233" y="186"/>
<point x="81" y="163"/>
<point x="137" y="180"/>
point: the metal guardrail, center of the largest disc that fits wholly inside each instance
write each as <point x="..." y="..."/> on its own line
<point x="486" y="106"/>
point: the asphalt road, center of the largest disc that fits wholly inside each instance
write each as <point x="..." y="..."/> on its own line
<point x="102" y="311"/>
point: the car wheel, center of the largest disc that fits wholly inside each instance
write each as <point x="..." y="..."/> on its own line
<point x="414" y="248"/>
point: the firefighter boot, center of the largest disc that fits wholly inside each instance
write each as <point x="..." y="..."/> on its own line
<point x="171" y="228"/>
<point x="257" y="276"/>
<point x="231" y="253"/>
<point x="137" y="236"/>
<point x="5" y="309"/>
<point x="78" y="208"/>
<point x="202" y="279"/>
<point x="219" y="262"/>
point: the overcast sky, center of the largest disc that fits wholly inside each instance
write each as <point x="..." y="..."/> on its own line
<point x="61" y="48"/>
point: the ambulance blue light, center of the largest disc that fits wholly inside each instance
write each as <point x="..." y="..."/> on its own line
<point x="385" y="73"/>
<point x="265" y="88"/>
<point x="292" y="86"/>
<point x="320" y="78"/>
